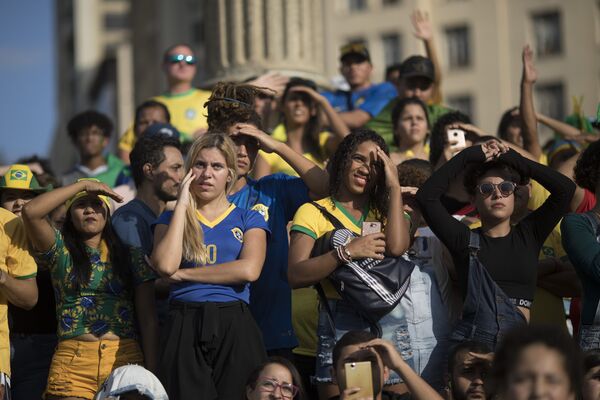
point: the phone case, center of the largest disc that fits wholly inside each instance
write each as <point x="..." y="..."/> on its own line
<point x="358" y="374"/>
<point x="370" y="227"/>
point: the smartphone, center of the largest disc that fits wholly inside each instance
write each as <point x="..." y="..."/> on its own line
<point x="457" y="135"/>
<point x="358" y="374"/>
<point x="370" y="227"/>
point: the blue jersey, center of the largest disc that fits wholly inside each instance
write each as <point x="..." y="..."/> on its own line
<point x="276" y="197"/>
<point x="224" y="239"/>
<point x="132" y="223"/>
<point x="371" y="100"/>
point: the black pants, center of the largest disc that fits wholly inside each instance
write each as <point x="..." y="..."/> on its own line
<point x="209" y="351"/>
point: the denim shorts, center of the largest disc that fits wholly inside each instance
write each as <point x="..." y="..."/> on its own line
<point x="346" y="319"/>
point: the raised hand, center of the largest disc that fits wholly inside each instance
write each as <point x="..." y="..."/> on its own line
<point x="100" y="189"/>
<point x="265" y="141"/>
<point x="529" y="70"/>
<point x="493" y="149"/>
<point x="421" y="25"/>
<point x="368" y="246"/>
<point x="272" y="83"/>
<point x="390" y="170"/>
<point x="183" y="196"/>
<point x="386" y="350"/>
<point x="316" y="96"/>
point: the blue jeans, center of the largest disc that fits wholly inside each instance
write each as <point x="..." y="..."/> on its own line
<point x="488" y="313"/>
<point x="393" y="325"/>
<point x="30" y="362"/>
<point x="428" y="325"/>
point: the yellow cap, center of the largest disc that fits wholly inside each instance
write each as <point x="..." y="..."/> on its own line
<point x="83" y="193"/>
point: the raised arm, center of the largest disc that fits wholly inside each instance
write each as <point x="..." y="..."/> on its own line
<point x="531" y="141"/>
<point x="315" y="177"/>
<point x="40" y="231"/>
<point x="167" y="252"/>
<point x="397" y="238"/>
<point x="245" y="269"/>
<point x="424" y="31"/>
<point x="560" y="187"/>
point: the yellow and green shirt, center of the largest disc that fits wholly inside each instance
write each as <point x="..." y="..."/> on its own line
<point x="105" y="303"/>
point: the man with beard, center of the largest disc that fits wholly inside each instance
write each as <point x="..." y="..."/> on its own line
<point x="157" y="169"/>
<point x="468" y="366"/>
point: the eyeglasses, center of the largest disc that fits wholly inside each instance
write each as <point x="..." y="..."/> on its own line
<point x="177" y="58"/>
<point x="288" y="390"/>
<point x="506" y="188"/>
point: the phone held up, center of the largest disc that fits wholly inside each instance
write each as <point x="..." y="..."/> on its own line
<point x="359" y="375"/>
<point x="457" y="136"/>
<point x="370" y="227"/>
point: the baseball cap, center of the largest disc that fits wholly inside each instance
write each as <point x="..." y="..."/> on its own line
<point x="19" y="176"/>
<point x="356" y="49"/>
<point x="560" y="145"/>
<point x="83" y="193"/>
<point x="160" y="128"/>
<point x="417" y="66"/>
<point x="132" y="378"/>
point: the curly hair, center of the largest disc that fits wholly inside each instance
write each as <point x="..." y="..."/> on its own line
<point x="342" y="159"/>
<point x="476" y="171"/>
<point x="414" y="172"/>
<point x="87" y="119"/>
<point x="587" y="169"/>
<point x="231" y="103"/>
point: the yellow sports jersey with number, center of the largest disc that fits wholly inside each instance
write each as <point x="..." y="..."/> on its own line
<point x="15" y="261"/>
<point x="187" y="115"/>
<point x="278" y="164"/>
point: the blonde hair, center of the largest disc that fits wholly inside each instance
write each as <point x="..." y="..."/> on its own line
<point x="193" y="237"/>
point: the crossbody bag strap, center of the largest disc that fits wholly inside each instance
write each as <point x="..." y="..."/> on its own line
<point x="332" y="218"/>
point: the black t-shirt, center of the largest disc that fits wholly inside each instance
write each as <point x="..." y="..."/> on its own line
<point x="510" y="260"/>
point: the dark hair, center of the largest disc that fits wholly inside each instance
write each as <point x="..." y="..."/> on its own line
<point x="173" y="46"/>
<point x="510" y="349"/>
<point x="438" y="133"/>
<point x="151" y="104"/>
<point x="475" y="172"/>
<point x="149" y="150"/>
<point x="587" y="169"/>
<point x="414" y="172"/>
<point x="469" y="346"/>
<point x="591" y="359"/>
<point x="350" y="338"/>
<point x="231" y="103"/>
<point x="399" y="108"/>
<point x="87" y="119"/>
<point x="296" y="378"/>
<point x="341" y="159"/>
<point x="508" y="119"/>
<point x="390" y="69"/>
<point x="82" y="267"/>
<point x="310" y="137"/>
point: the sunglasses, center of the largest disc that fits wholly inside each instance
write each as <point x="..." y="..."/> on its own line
<point x="506" y="188"/>
<point x="288" y="390"/>
<point x="177" y="58"/>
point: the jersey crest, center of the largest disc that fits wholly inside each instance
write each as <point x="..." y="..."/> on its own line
<point x="238" y="234"/>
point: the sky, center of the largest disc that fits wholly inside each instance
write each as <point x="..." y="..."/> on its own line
<point x="27" y="78"/>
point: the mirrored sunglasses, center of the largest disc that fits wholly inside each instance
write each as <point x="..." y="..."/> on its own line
<point x="505" y="188"/>
<point x="177" y="58"/>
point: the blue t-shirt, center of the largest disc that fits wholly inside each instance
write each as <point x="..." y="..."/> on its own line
<point x="372" y="99"/>
<point x="276" y="197"/>
<point x="224" y="239"/>
<point x="133" y="224"/>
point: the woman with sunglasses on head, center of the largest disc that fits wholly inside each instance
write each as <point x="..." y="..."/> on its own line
<point x="276" y="378"/>
<point x="497" y="263"/>
<point x="98" y="285"/>
<point x="211" y="250"/>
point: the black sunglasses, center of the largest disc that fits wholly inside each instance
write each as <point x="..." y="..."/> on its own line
<point x="506" y="188"/>
<point x="176" y="58"/>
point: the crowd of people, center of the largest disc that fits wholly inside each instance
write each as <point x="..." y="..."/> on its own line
<point x="267" y="240"/>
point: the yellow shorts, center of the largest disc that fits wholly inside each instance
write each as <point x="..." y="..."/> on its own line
<point x="79" y="368"/>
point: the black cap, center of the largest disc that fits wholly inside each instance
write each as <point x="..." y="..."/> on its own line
<point x="358" y="50"/>
<point x="417" y="66"/>
<point x="161" y="129"/>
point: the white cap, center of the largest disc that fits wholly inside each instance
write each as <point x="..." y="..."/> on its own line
<point x="132" y="378"/>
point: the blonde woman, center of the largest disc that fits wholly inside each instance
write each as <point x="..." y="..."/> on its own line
<point x="211" y="250"/>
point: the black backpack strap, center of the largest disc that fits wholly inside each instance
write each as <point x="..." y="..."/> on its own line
<point x="473" y="243"/>
<point x="325" y="305"/>
<point x="334" y="221"/>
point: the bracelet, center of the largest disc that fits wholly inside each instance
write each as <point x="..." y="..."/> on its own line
<point x="345" y="248"/>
